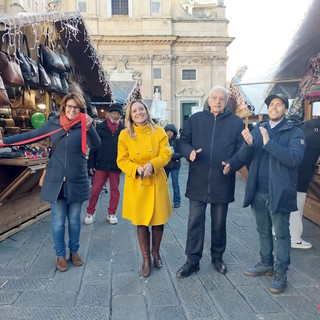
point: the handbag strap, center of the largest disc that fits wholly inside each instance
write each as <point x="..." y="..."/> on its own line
<point x="55" y="143"/>
<point x="25" y="41"/>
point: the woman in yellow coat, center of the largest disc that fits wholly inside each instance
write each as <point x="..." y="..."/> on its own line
<point x="143" y="152"/>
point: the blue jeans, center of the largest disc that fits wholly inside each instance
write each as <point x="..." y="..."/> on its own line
<point x="175" y="184"/>
<point x="60" y="210"/>
<point x="280" y="222"/>
<point x="196" y="230"/>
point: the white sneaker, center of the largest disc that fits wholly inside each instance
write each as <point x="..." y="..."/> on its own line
<point x="88" y="219"/>
<point x="112" y="219"/>
<point x="301" y="245"/>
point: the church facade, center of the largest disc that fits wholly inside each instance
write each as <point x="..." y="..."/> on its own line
<point x="177" y="48"/>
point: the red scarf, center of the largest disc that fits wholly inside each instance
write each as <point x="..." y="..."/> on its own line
<point x="68" y="124"/>
<point x="112" y="126"/>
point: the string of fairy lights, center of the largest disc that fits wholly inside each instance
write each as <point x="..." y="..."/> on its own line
<point x="44" y="24"/>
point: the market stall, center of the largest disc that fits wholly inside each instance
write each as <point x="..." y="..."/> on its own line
<point x="31" y="88"/>
<point x="298" y="77"/>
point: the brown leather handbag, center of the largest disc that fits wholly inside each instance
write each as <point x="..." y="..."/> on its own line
<point x="4" y="99"/>
<point x="10" y="70"/>
<point x="29" y="99"/>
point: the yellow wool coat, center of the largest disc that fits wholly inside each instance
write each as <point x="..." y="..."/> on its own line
<point x="149" y="204"/>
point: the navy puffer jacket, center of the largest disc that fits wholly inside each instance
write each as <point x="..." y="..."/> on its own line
<point x="66" y="163"/>
<point x="286" y="150"/>
<point x="219" y="138"/>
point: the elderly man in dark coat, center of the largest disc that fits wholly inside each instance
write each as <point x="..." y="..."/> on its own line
<point x="208" y="139"/>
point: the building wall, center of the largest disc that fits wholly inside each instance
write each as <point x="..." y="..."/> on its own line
<point x="182" y="36"/>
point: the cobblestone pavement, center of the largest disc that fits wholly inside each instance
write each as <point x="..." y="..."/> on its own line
<point x="109" y="285"/>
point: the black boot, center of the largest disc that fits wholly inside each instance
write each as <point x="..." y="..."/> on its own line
<point x="156" y="240"/>
<point x="144" y="241"/>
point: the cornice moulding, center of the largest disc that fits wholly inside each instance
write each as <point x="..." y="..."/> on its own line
<point x="162" y="39"/>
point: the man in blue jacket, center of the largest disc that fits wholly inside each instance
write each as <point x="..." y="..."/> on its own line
<point x="209" y="138"/>
<point x="275" y="148"/>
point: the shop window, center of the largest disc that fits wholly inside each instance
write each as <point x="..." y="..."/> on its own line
<point x="189" y="74"/>
<point x="157" y="73"/>
<point x="155" y="6"/>
<point x="120" y="7"/>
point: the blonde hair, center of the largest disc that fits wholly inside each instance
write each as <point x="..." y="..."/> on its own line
<point x="78" y="98"/>
<point x="129" y="121"/>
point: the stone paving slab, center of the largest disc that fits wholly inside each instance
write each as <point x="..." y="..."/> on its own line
<point x="126" y="284"/>
<point x="196" y="301"/>
<point x="259" y="299"/>
<point x="48" y="299"/>
<point x="47" y="313"/>
<point x="166" y="313"/>
<point x="129" y="307"/>
<point x="159" y="289"/>
<point x="109" y="285"/>
<point x="275" y="316"/>
<point x="299" y="307"/>
<point x="95" y="295"/>
<point x="26" y="284"/>
<point x="232" y="305"/>
<point x="7" y="298"/>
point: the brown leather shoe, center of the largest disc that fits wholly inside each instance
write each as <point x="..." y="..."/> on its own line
<point x="62" y="264"/>
<point x="76" y="260"/>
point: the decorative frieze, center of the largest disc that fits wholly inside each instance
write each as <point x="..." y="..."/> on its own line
<point x="169" y="58"/>
<point x="190" y="92"/>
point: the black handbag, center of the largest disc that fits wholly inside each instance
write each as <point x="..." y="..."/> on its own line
<point x="55" y="79"/>
<point x="51" y="59"/>
<point x="29" y="67"/>
<point x="44" y="79"/>
<point x="64" y="83"/>
<point x="63" y="57"/>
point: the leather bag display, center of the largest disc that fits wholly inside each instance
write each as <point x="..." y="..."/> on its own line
<point x="64" y="83"/>
<point x="29" y="67"/>
<point x="29" y="99"/>
<point x="56" y="85"/>
<point x="10" y="70"/>
<point x="63" y="57"/>
<point x="51" y="59"/>
<point x="44" y="79"/>
<point x="4" y="99"/>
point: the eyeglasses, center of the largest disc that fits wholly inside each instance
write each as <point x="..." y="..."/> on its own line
<point x="75" y="108"/>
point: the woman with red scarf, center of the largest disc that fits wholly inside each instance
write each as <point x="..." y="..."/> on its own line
<point x="66" y="183"/>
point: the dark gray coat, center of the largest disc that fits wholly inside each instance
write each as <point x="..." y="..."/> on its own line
<point x="66" y="163"/>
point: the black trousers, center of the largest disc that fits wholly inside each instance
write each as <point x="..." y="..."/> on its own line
<point x="196" y="230"/>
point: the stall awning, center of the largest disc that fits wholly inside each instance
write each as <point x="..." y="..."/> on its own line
<point x="76" y="38"/>
<point x="295" y="62"/>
